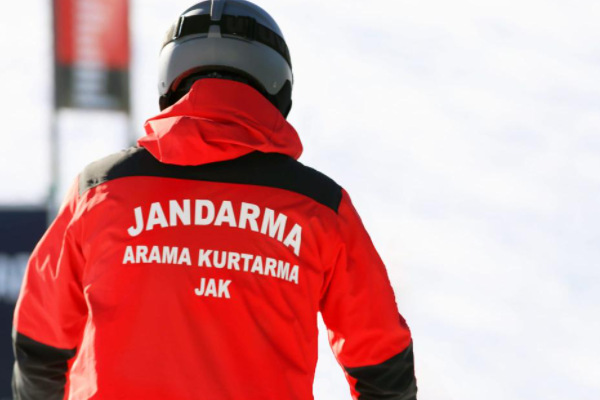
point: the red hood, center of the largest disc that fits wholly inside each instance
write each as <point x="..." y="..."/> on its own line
<point x="219" y="120"/>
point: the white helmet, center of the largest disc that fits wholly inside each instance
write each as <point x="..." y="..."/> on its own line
<point x="232" y="39"/>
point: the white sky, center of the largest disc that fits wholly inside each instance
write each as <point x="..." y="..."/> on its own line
<point x="467" y="134"/>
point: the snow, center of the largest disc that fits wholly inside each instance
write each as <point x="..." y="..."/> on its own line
<point x="467" y="134"/>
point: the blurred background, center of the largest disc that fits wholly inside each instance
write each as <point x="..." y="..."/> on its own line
<point x="467" y="134"/>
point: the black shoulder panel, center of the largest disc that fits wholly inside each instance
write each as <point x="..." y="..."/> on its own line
<point x="393" y="379"/>
<point x="256" y="168"/>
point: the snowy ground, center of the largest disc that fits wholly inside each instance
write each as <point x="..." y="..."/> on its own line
<point x="467" y="134"/>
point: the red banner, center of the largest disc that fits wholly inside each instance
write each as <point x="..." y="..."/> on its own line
<point x="92" y="53"/>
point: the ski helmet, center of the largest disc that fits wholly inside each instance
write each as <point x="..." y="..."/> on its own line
<point x="235" y="39"/>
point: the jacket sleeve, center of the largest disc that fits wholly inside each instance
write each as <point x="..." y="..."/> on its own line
<point x="369" y="338"/>
<point x="51" y="311"/>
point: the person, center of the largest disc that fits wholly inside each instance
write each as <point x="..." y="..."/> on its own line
<point x="194" y="264"/>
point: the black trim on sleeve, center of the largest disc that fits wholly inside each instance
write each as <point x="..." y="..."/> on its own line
<point x="264" y="169"/>
<point x="393" y="379"/>
<point x="40" y="370"/>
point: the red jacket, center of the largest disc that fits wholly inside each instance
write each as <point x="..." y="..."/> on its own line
<point x="193" y="266"/>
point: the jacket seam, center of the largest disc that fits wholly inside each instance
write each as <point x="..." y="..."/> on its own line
<point x="221" y="182"/>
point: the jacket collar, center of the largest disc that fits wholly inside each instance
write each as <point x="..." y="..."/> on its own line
<point x="219" y="120"/>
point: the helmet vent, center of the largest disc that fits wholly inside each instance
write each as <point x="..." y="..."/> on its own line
<point x="216" y="9"/>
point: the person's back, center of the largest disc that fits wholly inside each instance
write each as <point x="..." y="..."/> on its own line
<point x="194" y="265"/>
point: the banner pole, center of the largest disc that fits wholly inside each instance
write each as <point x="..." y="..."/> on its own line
<point x="51" y="208"/>
<point x="52" y="204"/>
<point x="132" y="135"/>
